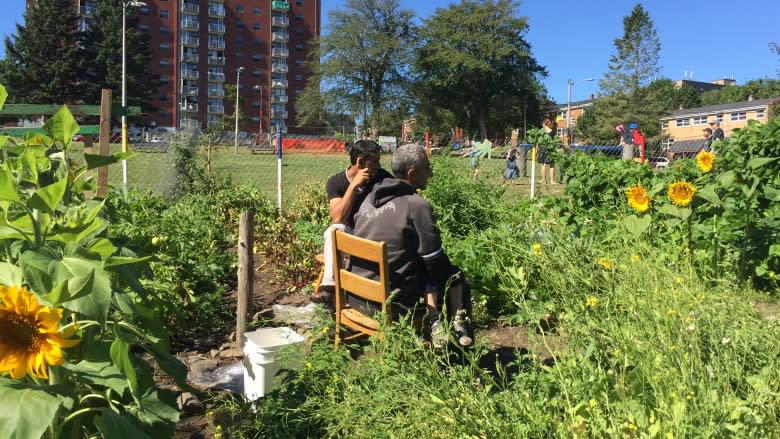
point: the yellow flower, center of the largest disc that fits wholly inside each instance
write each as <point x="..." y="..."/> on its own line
<point x="592" y="301"/>
<point x="604" y="263"/>
<point x="637" y="198"/>
<point x="705" y="160"/>
<point x="30" y="340"/>
<point x="537" y="248"/>
<point x="681" y="193"/>
<point x="635" y="258"/>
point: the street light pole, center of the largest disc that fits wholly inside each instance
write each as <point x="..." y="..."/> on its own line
<point x="568" y="110"/>
<point x="260" y="123"/>
<point x="238" y="76"/>
<point x="124" y="82"/>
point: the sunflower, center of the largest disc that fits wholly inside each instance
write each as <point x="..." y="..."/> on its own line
<point x="681" y="193"/>
<point x="637" y="198"/>
<point x="705" y="160"/>
<point x="30" y="339"/>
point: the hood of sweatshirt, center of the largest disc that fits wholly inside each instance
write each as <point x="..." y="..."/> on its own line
<point x="389" y="189"/>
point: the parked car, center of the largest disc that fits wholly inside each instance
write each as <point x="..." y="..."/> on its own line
<point x="658" y="162"/>
<point x="156" y="139"/>
<point x="83" y="138"/>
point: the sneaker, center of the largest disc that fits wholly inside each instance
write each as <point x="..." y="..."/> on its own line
<point x="439" y="337"/>
<point x="460" y="329"/>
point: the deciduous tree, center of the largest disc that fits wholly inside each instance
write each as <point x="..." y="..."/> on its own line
<point x="476" y="69"/>
<point x="364" y="61"/>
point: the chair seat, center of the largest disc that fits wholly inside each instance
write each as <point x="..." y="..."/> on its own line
<point x="360" y="318"/>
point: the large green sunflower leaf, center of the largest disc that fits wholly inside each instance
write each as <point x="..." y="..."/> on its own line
<point x="112" y="425"/>
<point x="26" y="411"/>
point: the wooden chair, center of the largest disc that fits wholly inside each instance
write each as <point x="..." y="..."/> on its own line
<point x="361" y="287"/>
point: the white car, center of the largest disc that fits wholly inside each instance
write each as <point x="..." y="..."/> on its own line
<point x="658" y="162"/>
<point x="156" y="139"/>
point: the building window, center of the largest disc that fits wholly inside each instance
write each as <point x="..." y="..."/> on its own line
<point x="143" y="10"/>
<point x="163" y="79"/>
<point x="239" y="40"/>
<point x="719" y="117"/>
<point x="256" y="57"/>
<point x="667" y="142"/>
<point x="298" y="62"/>
<point x="682" y="122"/>
<point x="298" y="2"/>
<point x="163" y="13"/>
<point x="299" y="47"/>
<point x="760" y="114"/>
<point x="298" y="17"/>
<point x="240" y="8"/>
<point x="738" y="116"/>
<point x="701" y="120"/>
<point x="299" y="77"/>
<point x="164" y="30"/>
<point x="256" y="73"/>
<point x="257" y="26"/>
<point x="163" y="97"/>
<point x="256" y="42"/>
<point x="560" y="132"/>
<point x="144" y="27"/>
<point x="256" y="104"/>
<point x="299" y="31"/>
<point x="664" y="124"/>
<point x="164" y="62"/>
<point x="240" y="24"/>
<point x="165" y="46"/>
<point x="240" y="55"/>
<point x="257" y="11"/>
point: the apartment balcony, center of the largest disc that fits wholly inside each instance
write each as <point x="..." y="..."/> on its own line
<point x="280" y="6"/>
<point x="217" y="77"/>
<point x="216" y="60"/>
<point x="216" y="28"/>
<point x="190" y="41"/>
<point x="193" y="25"/>
<point x="189" y="74"/>
<point x="189" y="91"/>
<point x="276" y="114"/>
<point x="217" y="44"/>
<point x="190" y="9"/>
<point x="280" y="37"/>
<point x="279" y="99"/>
<point x="88" y="11"/>
<point x="189" y="108"/>
<point x="217" y="12"/>
<point x="280" y="21"/>
<point x="189" y="57"/>
<point x="279" y="83"/>
<point x="280" y="52"/>
<point x="216" y="93"/>
<point x="190" y="123"/>
<point x="216" y="109"/>
<point x="279" y="68"/>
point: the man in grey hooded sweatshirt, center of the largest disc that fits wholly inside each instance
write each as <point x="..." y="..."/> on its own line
<point x="394" y="212"/>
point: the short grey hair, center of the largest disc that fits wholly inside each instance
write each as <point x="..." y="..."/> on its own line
<point x="407" y="157"/>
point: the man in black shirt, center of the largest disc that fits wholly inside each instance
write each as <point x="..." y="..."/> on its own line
<point x="717" y="131"/>
<point x="346" y="190"/>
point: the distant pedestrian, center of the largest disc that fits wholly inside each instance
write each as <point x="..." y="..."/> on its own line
<point x="512" y="170"/>
<point x="639" y="140"/>
<point x="717" y="131"/>
<point x="707" y="132"/>
<point x="544" y="156"/>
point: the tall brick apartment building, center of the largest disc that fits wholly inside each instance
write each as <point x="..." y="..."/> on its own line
<point x="199" y="45"/>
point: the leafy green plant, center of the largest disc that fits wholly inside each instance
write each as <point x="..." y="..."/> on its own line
<point x="59" y="270"/>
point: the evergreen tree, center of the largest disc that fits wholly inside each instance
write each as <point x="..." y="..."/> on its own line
<point x="636" y="62"/>
<point x="475" y="68"/>
<point x="104" y="52"/>
<point x="43" y="59"/>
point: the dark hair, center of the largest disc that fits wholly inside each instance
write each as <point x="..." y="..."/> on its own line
<point x="363" y="148"/>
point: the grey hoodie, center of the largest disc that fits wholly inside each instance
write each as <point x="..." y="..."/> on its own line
<point x="395" y="213"/>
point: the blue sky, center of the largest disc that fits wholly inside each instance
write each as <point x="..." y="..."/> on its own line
<point x="709" y="39"/>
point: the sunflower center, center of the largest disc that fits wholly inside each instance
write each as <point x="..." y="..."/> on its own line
<point x="20" y="332"/>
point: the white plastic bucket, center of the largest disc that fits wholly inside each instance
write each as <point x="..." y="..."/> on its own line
<point x="260" y="358"/>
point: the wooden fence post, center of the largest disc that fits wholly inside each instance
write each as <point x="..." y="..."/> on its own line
<point x="246" y="273"/>
<point x="105" y="125"/>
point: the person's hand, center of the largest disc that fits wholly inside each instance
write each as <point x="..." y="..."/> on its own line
<point x="361" y="177"/>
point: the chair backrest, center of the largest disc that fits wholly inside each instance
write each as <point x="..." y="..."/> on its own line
<point x="363" y="288"/>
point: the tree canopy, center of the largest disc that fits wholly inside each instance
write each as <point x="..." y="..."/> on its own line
<point x="44" y="62"/>
<point x="364" y="61"/>
<point x="475" y="68"/>
<point x="636" y="62"/>
<point x="103" y="45"/>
